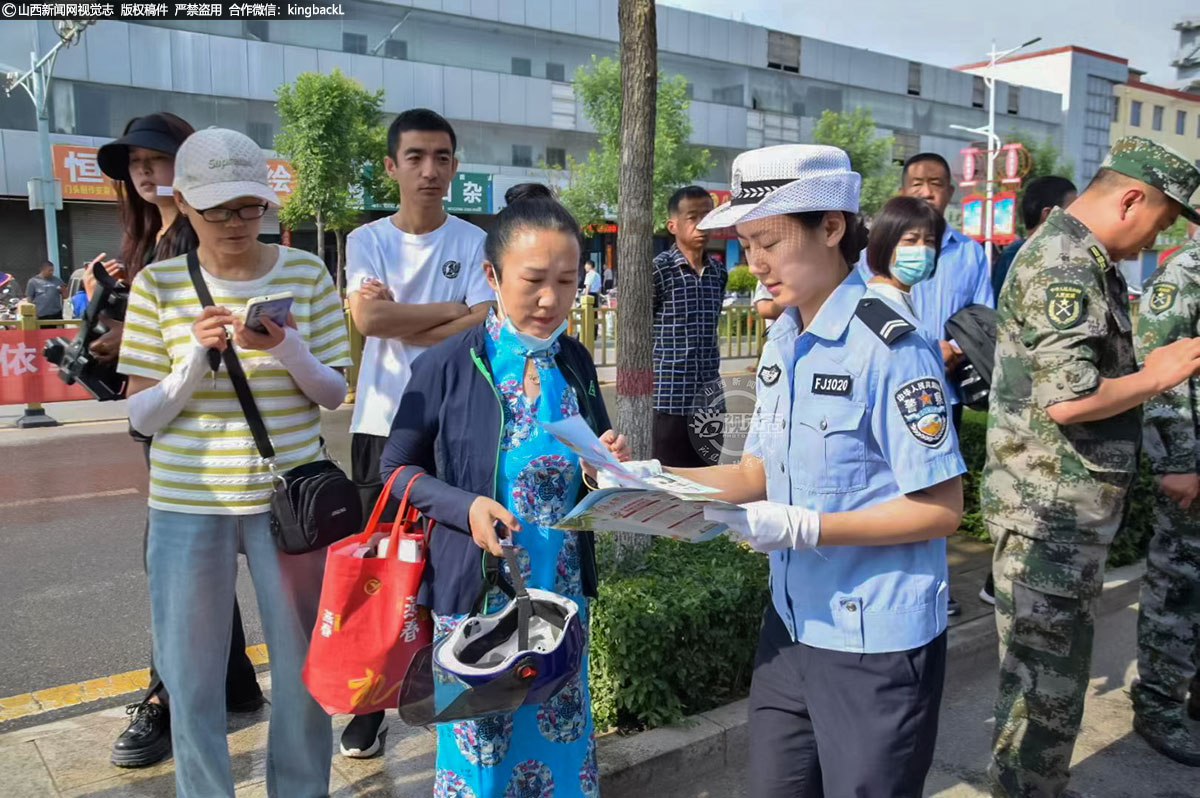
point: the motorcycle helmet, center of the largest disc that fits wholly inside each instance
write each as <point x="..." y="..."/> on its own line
<point x="492" y="664"/>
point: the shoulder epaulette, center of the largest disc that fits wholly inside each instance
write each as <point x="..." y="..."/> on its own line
<point x="882" y="320"/>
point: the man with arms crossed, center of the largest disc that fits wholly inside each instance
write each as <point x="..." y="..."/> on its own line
<point x="415" y="278"/>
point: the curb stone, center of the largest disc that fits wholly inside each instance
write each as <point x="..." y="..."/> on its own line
<point x="649" y="763"/>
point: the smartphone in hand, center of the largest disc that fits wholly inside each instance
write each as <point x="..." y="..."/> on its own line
<point x="273" y="306"/>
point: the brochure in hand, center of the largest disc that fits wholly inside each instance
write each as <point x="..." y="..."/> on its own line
<point x="646" y="504"/>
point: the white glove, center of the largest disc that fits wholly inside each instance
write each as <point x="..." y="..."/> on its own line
<point x="770" y="526"/>
<point x="639" y="468"/>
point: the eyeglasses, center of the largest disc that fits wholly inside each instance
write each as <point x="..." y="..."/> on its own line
<point x="225" y="214"/>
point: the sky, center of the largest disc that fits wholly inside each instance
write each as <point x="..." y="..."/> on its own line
<point x="953" y="32"/>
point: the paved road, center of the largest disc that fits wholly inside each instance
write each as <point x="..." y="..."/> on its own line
<point x="72" y="516"/>
<point x="1110" y="760"/>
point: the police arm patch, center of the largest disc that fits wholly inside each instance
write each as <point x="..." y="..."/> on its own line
<point x="1066" y="304"/>
<point x="1162" y="296"/>
<point x="923" y="407"/>
<point x="769" y="374"/>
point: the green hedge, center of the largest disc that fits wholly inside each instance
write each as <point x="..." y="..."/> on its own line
<point x="675" y="627"/>
<point x="1131" y="541"/>
<point x="674" y="630"/>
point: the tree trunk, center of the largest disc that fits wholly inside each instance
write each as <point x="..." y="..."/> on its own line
<point x="340" y="237"/>
<point x="320" y="237"/>
<point x="635" y="242"/>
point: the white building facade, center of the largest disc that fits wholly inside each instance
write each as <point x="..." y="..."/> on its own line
<point x="499" y="70"/>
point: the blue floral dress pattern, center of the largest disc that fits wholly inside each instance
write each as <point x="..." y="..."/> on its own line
<point x="530" y="779"/>
<point x="589" y="774"/>
<point x="448" y="784"/>
<point x="545" y="751"/>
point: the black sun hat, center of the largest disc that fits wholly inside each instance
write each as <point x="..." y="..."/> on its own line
<point x="150" y="132"/>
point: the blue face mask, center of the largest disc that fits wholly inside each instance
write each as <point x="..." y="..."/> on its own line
<point x="531" y="344"/>
<point x="913" y="264"/>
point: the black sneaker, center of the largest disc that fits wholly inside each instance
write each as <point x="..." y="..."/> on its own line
<point x="147" y="739"/>
<point x="1170" y="737"/>
<point x="987" y="593"/>
<point x="952" y="607"/>
<point x="239" y="705"/>
<point x="363" y="737"/>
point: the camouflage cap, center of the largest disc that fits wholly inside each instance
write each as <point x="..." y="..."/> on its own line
<point x="1158" y="166"/>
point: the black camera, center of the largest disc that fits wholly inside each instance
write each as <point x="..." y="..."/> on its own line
<point x="74" y="358"/>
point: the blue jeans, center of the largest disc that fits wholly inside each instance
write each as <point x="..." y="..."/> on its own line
<point x="192" y="564"/>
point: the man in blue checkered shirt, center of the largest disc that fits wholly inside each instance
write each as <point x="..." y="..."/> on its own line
<point x="689" y="287"/>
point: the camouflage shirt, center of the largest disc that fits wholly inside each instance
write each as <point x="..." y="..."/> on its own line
<point x="1062" y="325"/>
<point x="1170" y="310"/>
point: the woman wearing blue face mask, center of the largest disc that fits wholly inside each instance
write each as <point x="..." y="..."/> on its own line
<point x="903" y="249"/>
<point x="469" y="421"/>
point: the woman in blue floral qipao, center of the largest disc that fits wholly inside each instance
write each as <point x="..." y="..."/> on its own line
<point x="469" y="421"/>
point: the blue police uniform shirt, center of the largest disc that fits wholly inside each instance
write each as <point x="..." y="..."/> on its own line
<point x="962" y="278"/>
<point x="843" y="421"/>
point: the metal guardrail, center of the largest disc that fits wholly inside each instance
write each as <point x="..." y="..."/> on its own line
<point x="740" y="331"/>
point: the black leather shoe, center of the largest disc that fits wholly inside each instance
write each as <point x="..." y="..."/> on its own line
<point x="147" y="739"/>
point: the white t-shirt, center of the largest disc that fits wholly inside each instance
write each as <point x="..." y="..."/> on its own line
<point x="445" y="265"/>
<point x="761" y="293"/>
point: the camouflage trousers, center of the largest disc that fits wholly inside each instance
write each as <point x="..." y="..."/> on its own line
<point x="1169" y="618"/>
<point x="1045" y="607"/>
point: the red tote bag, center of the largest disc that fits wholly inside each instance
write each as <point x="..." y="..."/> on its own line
<point x="368" y="623"/>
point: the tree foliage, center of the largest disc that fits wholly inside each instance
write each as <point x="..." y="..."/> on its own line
<point x="1045" y="159"/>
<point x="330" y="130"/>
<point x="592" y="194"/>
<point x="870" y="155"/>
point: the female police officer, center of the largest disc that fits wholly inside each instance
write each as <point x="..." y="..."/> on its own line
<point x="853" y="449"/>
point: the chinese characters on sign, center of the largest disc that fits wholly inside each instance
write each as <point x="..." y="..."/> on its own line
<point x="469" y="193"/>
<point x="79" y="172"/>
<point x="279" y="175"/>
<point x="26" y="376"/>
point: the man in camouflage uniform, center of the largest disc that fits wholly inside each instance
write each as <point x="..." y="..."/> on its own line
<point x="1064" y="432"/>
<point x="1169" y="618"/>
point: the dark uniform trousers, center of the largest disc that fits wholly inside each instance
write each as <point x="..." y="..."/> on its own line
<point x="841" y="724"/>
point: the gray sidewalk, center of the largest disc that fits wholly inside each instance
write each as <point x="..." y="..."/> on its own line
<point x="69" y="756"/>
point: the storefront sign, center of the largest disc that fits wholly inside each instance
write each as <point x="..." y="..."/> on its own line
<point x="468" y="192"/>
<point x="78" y="171"/>
<point x="281" y="177"/>
<point x="720" y="195"/>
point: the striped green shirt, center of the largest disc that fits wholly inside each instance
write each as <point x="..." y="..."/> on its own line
<point x="205" y="460"/>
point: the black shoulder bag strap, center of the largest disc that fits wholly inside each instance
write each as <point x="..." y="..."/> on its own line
<point x="236" y="375"/>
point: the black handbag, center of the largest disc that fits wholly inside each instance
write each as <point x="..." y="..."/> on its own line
<point x="312" y="505"/>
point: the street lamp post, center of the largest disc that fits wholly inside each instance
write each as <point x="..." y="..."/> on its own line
<point x="989" y="80"/>
<point x="43" y="190"/>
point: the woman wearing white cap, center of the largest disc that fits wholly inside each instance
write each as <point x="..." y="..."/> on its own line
<point x="853" y="451"/>
<point x="209" y="489"/>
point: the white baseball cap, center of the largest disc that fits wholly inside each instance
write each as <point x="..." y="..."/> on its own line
<point x="789" y="178"/>
<point x="216" y="165"/>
